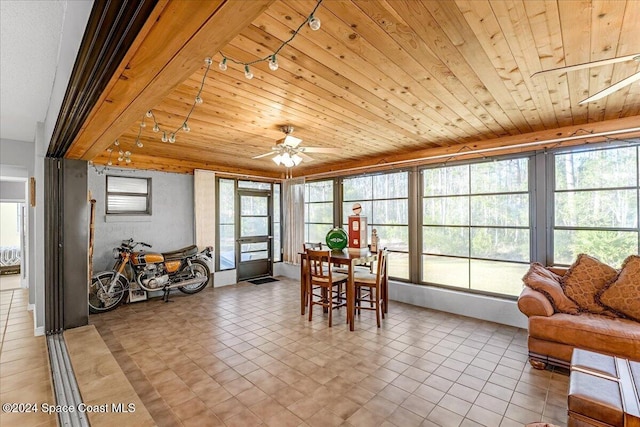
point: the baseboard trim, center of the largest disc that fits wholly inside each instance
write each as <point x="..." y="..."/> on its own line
<point x="31" y="307"/>
<point x="39" y="331"/>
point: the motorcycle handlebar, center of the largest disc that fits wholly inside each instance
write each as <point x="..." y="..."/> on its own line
<point x="130" y="244"/>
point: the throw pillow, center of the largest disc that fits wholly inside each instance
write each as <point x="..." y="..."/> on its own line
<point x="546" y="282"/>
<point x="622" y="294"/>
<point x="584" y="279"/>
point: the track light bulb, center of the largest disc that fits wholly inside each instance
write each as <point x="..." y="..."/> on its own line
<point x="120" y="158"/>
<point x="149" y="114"/>
<point x="121" y="153"/>
<point x="273" y="63"/>
<point x="164" y="137"/>
<point x="172" y="138"/>
<point x="116" y="142"/>
<point x="156" y="128"/>
<point x="143" y="125"/>
<point x="247" y="72"/>
<point x="127" y="160"/>
<point x="208" y="61"/>
<point x="109" y="163"/>
<point x="185" y="127"/>
<point x="139" y="144"/>
<point x="223" y="64"/>
<point x="314" y="23"/>
<point x="198" y="99"/>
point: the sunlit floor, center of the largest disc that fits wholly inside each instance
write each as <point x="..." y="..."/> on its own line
<point x="24" y="365"/>
<point x="243" y="355"/>
<point x="9" y="282"/>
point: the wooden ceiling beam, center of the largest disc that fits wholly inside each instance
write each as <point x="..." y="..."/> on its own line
<point x="499" y="146"/>
<point x="184" y="34"/>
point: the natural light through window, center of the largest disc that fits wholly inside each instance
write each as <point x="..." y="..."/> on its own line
<point x="596" y="205"/>
<point x="385" y="203"/>
<point x="476" y="226"/>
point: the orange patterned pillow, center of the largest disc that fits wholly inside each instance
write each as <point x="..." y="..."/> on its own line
<point x="622" y="294"/>
<point x="548" y="283"/>
<point x="584" y="279"/>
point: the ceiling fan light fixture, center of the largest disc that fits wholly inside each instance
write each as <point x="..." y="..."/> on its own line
<point x="296" y="159"/>
<point x="277" y="159"/>
<point x="287" y="160"/>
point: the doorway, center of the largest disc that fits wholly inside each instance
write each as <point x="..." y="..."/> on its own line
<point x="12" y="245"/>
<point x="254" y="244"/>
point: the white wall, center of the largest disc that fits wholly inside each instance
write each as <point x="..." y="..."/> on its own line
<point x="169" y="227"/>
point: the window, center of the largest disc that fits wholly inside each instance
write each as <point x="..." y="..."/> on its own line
<point x="385" y="202"/>
<point x="318" y="210"/>
<point x="127" y="195"/>
<point x="595" y="201"/>
<point x="227" y="224"/>
<point x="476" y="227"/>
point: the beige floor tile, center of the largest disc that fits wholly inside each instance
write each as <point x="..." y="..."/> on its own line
<point x="243" y="355"/>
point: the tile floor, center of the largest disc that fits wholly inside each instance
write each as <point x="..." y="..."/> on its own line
<point x="243" y="356"/>
<point x="24" y="363"/>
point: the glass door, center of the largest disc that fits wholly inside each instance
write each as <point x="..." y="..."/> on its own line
<point x="253" y="246"/>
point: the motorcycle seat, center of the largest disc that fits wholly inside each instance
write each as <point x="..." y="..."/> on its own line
<point x="181" y="253"/>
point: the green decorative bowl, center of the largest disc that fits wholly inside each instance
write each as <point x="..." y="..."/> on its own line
<point x="337" y="239"/>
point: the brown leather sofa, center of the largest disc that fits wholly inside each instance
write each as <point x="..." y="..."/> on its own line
<point x="553" y="336"/>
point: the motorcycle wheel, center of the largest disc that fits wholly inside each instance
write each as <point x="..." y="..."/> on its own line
<point x="200" y="269"/>
<point x="100" y="300"/>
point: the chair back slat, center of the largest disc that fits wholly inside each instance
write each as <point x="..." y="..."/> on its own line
<point x="382" y="266"/>
<point x="318" y="265"/>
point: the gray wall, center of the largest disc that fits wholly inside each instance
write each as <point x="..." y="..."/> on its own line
<point x="17" y="153"/>
<point x="169" y="227"/>
<point x="12" y="191"/>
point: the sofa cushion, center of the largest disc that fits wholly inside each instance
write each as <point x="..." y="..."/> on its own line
<point x="584" y="279"/>
<point x="590" y="331"/>
<point x="546" y="282"/>
<point x="622" y="294"/>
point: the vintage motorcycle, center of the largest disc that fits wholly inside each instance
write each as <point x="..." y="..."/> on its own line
<point x="185" y="269"/>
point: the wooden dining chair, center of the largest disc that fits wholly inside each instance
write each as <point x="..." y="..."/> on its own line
<point x="372" y="284"/>
<point x="325" y="286"/>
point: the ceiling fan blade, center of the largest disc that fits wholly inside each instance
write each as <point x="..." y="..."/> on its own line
<point x="588" y="65"/>
<point x="320" y="150"/>
<point x="290" y="141"/>
<point x="305" y="158"/>
<point x="264" y="155"/>
<point x="608" y="91"/>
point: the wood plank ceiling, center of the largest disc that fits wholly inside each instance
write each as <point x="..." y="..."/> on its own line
<point x="382" y="81"/>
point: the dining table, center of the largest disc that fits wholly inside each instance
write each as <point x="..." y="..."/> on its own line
<point x="348" y="258"/>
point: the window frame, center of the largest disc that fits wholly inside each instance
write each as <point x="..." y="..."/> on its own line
<point x="147" y="196"/>
<point x="531" y="192"/>
<point x="371" y="225"/>
<point x="552" y="191"/>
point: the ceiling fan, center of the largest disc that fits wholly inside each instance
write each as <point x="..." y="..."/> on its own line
<point x="287" y="151"/>
<point x="607" y="91"/>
